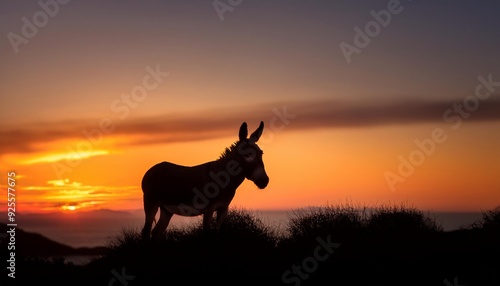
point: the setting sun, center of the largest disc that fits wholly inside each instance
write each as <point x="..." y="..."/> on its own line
<point x="69" y="208"/>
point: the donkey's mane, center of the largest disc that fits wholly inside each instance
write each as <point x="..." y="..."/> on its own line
<point x="228" y="150"/>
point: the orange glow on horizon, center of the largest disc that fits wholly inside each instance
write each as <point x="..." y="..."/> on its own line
<point x="305" y="169"/>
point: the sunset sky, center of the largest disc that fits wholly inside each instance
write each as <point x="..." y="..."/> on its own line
<point x="93" y="93"/>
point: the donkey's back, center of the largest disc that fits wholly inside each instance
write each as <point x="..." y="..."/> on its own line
<point x="169" y="182"/>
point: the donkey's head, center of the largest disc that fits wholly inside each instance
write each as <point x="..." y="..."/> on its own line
<point x="250" y="156"/>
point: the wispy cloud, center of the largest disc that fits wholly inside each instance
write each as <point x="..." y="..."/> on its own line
<point x="62" y="156"/>
<point x="225" y="122"/>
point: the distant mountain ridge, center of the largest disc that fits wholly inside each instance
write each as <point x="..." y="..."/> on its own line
<point x="35" y="245"/>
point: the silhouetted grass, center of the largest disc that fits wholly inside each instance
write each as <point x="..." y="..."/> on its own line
<point x="125" y="239"/>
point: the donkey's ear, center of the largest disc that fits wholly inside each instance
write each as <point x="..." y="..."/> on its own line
<point x="243" y="131"/>
<point x="256" y="134"/>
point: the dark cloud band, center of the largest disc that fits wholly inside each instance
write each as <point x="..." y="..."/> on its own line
<point x="225" y="122"/>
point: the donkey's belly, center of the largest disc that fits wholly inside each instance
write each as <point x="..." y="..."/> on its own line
<point x="197" y="207"/>
<point x="183" y="211"/>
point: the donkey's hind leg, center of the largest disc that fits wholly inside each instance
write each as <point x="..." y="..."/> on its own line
<point x="150" y="209"/>
<point x="162" y="223"/>
<point x="221" y="216"/>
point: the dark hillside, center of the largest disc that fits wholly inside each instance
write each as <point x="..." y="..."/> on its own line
<point x="322" y="246"/>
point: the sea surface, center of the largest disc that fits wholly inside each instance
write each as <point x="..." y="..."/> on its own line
<point x="101" y="230"/>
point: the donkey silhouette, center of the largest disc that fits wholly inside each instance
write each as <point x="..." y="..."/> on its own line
<point x="202" y="189"/>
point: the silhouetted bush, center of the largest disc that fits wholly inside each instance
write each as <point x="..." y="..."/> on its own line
<point x="400" y="219"/>
<point x="346" y="221"/>
<point x="490" y="221"/>
<point x="241" y="225"/>
<point x="342" y="222"/>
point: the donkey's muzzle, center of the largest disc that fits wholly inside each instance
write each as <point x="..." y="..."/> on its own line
<point x="259" y="177"/>
<point x="262" y="182"/>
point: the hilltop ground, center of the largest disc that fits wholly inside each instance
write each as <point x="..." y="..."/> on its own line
<point x="331" y="245"/>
